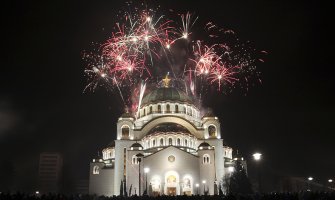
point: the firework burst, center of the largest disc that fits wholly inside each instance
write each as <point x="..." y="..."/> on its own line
<point x="143" y="46"/>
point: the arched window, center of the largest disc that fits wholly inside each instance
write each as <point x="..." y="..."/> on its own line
<point x="211" y="131"/>
<point x="159" y="109"/>
<point x="150" y="109"/>
<point x="125" y="132"/>
<point x="185" y="109"/>
<point x="176" y="108"/>
<point x="187" y="183"/>
<point x="168" y="108"/>
<point x="170" y="141"/>
<point x="178" y="142"/>
<point x="153" y="142"/>
<point x="162" y="142"/>
<point x="134" y="160"/>
<point x="185" y="142"/>
<point x="206" y="159"/>
<point x="144" y="112"/>
<point x="96" y="169"/>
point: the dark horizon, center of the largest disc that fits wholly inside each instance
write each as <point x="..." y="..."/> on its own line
<point x="288" y="118"/>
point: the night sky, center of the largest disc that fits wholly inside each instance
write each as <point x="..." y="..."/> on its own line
<point x="289" y="117"/>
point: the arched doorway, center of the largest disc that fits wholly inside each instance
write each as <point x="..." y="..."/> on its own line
<point x="171" y="183"/>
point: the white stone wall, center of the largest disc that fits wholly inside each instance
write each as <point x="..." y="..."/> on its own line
<point x="185" y="164"/>
<point x="186" y="111"/>
<point x="132" y="173"/>
<point x="101" y="183"/>
<point x="119" y="149"/>
<point x="125" y="122"/>
<point x="207" y="171"/>
<point x="107" y="182"/>
<point x="219" y="157"/>
<point x="214" y="121"/>
<point x="148" y="140"/>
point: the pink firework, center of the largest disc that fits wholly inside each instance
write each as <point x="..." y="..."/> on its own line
<point x="206" y="59"/>
<point x="223" y="74"/>
<point x="143" y="47"/>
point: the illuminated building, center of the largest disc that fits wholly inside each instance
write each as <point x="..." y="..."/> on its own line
<point x="182" y="150"/>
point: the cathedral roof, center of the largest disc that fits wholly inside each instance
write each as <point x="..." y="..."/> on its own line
<point x="127" y="115"/>
<point x="166" y="94"/>
<point x="168" y="127"/>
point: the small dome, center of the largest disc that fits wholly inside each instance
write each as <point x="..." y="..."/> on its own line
<point x="166" y="94"/>
<point x="204" y="145"/>
<point x="137" y="145"/>
<point x="127" y="115"/>
<point x="139" y="155"/>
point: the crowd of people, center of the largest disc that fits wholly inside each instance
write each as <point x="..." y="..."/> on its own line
<point x="267" y="196"/>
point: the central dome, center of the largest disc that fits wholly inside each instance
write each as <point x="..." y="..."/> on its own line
<point x="166" y="94"/>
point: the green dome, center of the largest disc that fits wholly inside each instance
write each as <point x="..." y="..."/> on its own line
<point x="166" y="94"/>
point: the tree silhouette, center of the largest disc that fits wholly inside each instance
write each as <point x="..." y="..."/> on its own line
<point x="239" y="182"/>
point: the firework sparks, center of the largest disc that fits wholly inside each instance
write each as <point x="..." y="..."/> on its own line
<point x="135" y="51"/>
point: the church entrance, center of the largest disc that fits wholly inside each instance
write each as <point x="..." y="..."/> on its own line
<point x="171" y="183"/>
<point x="171" y="191"/>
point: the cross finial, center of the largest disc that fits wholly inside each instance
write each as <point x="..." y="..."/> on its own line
<point x="166" y="81"/>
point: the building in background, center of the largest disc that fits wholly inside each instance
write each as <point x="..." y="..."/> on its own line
<point x="298" y="184"/>
<point x="81" y="186"/>
<point x="50" y="172"/>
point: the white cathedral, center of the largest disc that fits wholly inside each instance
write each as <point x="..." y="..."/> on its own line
<point x="167" y="149"/>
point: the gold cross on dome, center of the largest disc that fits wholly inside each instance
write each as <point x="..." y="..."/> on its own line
<point x="166" y="81"/>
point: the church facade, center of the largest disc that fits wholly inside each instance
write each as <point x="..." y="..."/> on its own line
<point x="168" y="148"/>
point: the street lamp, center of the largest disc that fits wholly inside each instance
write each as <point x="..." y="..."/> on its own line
<point x="146" y="171"/>
<point x="309" y="180"/>
<point x="197" y="186"/>
<point x="257" y="157"/>
<point x="231" y="169"/>
<point x="204" y="182"/>
<point x="139" y="159"/>
<point x="330" y="181"/>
